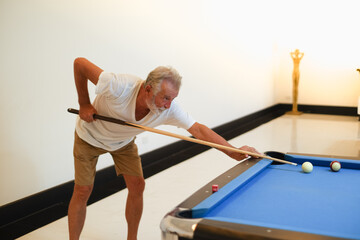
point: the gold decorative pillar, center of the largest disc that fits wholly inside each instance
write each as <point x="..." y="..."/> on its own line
<point x="296" y="56"/>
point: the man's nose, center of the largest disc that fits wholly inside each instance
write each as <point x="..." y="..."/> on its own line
<point x="167" y="104"/>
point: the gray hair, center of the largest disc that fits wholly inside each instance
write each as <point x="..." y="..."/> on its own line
<point x="161" y="73"/>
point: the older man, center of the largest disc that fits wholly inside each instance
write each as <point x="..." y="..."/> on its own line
<point x="129" y="98"/>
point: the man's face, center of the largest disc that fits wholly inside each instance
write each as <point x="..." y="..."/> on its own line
<point x="163" y="99"/>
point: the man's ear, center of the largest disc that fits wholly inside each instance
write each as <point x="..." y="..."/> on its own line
<point x="148" y="88"/>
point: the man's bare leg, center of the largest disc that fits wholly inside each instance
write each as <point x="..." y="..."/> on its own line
<point x="77" y="210"/>
<point x="134" y="204"/>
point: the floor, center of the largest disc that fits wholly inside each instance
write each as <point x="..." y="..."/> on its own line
<point x="307" y="133"/>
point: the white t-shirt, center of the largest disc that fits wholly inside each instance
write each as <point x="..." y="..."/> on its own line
<point x="116" y="97"/>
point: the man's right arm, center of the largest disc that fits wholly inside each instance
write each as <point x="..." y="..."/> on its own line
<point x="85" y="70"/>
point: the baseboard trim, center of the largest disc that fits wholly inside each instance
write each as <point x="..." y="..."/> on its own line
<point x="329" y="110"/>
<point x="25" y="215"/>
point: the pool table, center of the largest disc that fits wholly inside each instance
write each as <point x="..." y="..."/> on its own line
<point x="260" y="199"/>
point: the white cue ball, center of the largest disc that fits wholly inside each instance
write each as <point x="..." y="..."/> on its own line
<point x="335" y="166"/>
<point x="307" y="167"/>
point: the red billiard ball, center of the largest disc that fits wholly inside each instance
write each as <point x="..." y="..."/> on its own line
<point x="335" y="166"/>
<point x="215" y="188"/>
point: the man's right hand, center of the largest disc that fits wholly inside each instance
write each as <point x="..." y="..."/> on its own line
<point x="87" y="112"/>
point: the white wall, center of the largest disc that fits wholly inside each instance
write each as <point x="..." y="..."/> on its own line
<point x="327" y="32"/>
<point x="231" y="54"/>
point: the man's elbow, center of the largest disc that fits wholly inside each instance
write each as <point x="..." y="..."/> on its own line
<point x="79" y="62"/>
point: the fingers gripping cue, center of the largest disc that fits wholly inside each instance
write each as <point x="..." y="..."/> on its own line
<point x="189" y="139"/>
<point x="107" y="119"/>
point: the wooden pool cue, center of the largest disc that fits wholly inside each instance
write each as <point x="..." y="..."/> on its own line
<point x="189" y="139"/>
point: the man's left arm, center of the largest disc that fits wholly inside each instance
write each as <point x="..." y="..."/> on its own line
<point x="202" y="132"/>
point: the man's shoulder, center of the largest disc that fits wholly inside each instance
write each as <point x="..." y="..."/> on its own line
<point x="117" y="83"/>
<point x="124" y="77"/>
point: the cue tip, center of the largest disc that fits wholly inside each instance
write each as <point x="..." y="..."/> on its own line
<point x="279" y="160"/>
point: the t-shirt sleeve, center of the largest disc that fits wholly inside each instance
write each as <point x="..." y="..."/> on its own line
<point x="110" y="85"/>
<point x="178" y="117"/>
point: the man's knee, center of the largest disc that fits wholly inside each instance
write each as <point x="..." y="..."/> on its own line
<point x="135" y="185"/>
<point x="82" y="193"/>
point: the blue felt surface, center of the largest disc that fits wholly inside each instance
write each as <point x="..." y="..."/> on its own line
<point x="217" y="198"/>
<point x="282" y="196"/>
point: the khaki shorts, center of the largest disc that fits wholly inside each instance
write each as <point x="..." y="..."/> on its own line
<point x="126" y="160"/>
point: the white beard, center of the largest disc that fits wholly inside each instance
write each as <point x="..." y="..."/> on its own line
<point x="153" y="108"/>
